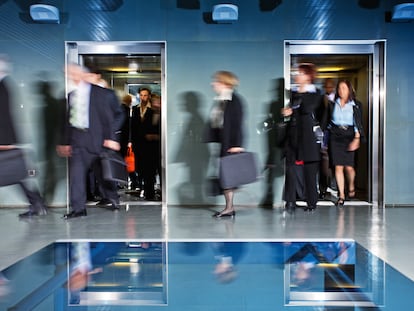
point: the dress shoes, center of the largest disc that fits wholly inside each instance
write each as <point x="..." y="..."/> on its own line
<point x="41" y="212"/>
<point x="104" y="202"/>
<point x="92" y="198"/>
<point x="75" y="214"/>
<point x="222" y="215"/>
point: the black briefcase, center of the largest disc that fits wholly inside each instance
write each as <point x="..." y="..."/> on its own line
<point x="13" y="166"/>
<point x="238" y="169"/>
<point x="113" y="167"/>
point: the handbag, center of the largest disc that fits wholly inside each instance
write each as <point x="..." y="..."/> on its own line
<point x="12" y="166"/>
<point x="113" y="167"/>
<point x="130" y="160"/>
<point x="238" y="169"/>
<point x="317" y="130"/>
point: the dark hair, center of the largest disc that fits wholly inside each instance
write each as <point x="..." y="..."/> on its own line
<point x="308" y="69"/>
<point x="144" y="89"/>
<point x="350" y="88"/>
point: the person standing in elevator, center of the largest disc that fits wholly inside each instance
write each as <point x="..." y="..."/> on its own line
<point x="138" y="142"/>
<point x="326" y="179"/>
<point x="152" y="165"/>
<point x="126" y="135"/>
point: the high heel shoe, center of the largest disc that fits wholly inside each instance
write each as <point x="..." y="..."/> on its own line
<point x="221" y="214"/>
<point x="340" y="202"/>
<point x="351" y="194"/>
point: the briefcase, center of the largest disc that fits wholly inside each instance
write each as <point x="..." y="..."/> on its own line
<point x="113" y="167"/>
<point x="238" y="169"/>
<point x="12" y="166"/>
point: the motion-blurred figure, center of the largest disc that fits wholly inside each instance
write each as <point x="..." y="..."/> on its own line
<point x="9" y="140"/>
<point x="93" y="121"/>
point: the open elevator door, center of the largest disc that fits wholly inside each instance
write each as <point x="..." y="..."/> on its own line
<point x="126" y="66"/>
<point x="363" y="63"/>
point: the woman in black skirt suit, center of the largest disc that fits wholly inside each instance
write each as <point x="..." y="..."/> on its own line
<point x="225" y="126"/>
<point x="301" y="147"/>
<point x="346" y="132"/>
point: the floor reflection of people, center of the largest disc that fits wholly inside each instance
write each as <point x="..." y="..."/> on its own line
<point x="227" y="256"/>
<point x="81" y="269"/>
<point x="305" y="258"/>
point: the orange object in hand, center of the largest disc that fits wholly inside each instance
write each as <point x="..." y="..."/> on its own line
<point x="130" y="160"/>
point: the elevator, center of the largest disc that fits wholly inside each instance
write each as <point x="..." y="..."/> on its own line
<point x="363" y="63"/>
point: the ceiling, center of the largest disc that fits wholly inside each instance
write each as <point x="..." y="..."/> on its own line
<point x="121" y="69"/>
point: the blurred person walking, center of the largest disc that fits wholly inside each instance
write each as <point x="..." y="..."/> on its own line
<point x="225" y="126"/>
<point x="9" y="139"/>
<point x="93" y="121"/>
<point x="302" y="148"/>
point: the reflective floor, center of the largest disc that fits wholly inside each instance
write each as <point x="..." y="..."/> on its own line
<point x="37" y="257"/>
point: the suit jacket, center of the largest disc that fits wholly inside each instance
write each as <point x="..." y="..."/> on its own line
<point x="301" y="142"/>
<point x="137" y="128"/>
<point x="105" y="121"/>
<point x="7" y="130"/>
<point x="231" y="135"/>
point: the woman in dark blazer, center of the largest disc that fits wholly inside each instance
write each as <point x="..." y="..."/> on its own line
<point x="225" y="126"/>
<point x="301" y="146"/>
<point x="346" y="131"/>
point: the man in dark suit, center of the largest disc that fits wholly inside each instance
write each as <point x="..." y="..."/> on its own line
<point x="92" y="124"/>
<point x="8" y="140"/>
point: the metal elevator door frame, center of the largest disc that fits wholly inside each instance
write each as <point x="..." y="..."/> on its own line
<point x="75" y="49"/>
<point x="375" y="141"/>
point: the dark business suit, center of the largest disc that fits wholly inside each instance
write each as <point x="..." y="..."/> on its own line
<point x="105" y="120"/>
<point x="301" y="145"/>
<point x="8" y="137"/>
<point x="231" y="134"/>
<point x="152" y="155"/>
<point x="140" y="145"/>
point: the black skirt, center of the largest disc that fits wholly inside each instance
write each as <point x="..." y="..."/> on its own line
<point x="339" y="140"/>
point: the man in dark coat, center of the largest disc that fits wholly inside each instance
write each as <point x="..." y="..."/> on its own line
<point x="93" y="121"/>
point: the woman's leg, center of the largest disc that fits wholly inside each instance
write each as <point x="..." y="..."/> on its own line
<point x="350" y="174"/>
<point x="228" y="195"/>
<point x="340" y="180"/>
<point x="229" y="209"/>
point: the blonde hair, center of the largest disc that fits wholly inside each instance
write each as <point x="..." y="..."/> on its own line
<point x="226" y="77"/>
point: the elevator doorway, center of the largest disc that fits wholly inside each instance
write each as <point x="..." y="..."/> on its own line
<point x="362" y="63"/>
<point x="126" y="66"/>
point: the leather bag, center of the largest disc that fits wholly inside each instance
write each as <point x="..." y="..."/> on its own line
<point x="113" y="167"/>
<point x="238" y="169"/>
<point x="12" y="166"/>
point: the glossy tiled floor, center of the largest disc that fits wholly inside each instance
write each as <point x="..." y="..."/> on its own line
<point x="387" y="233"/>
